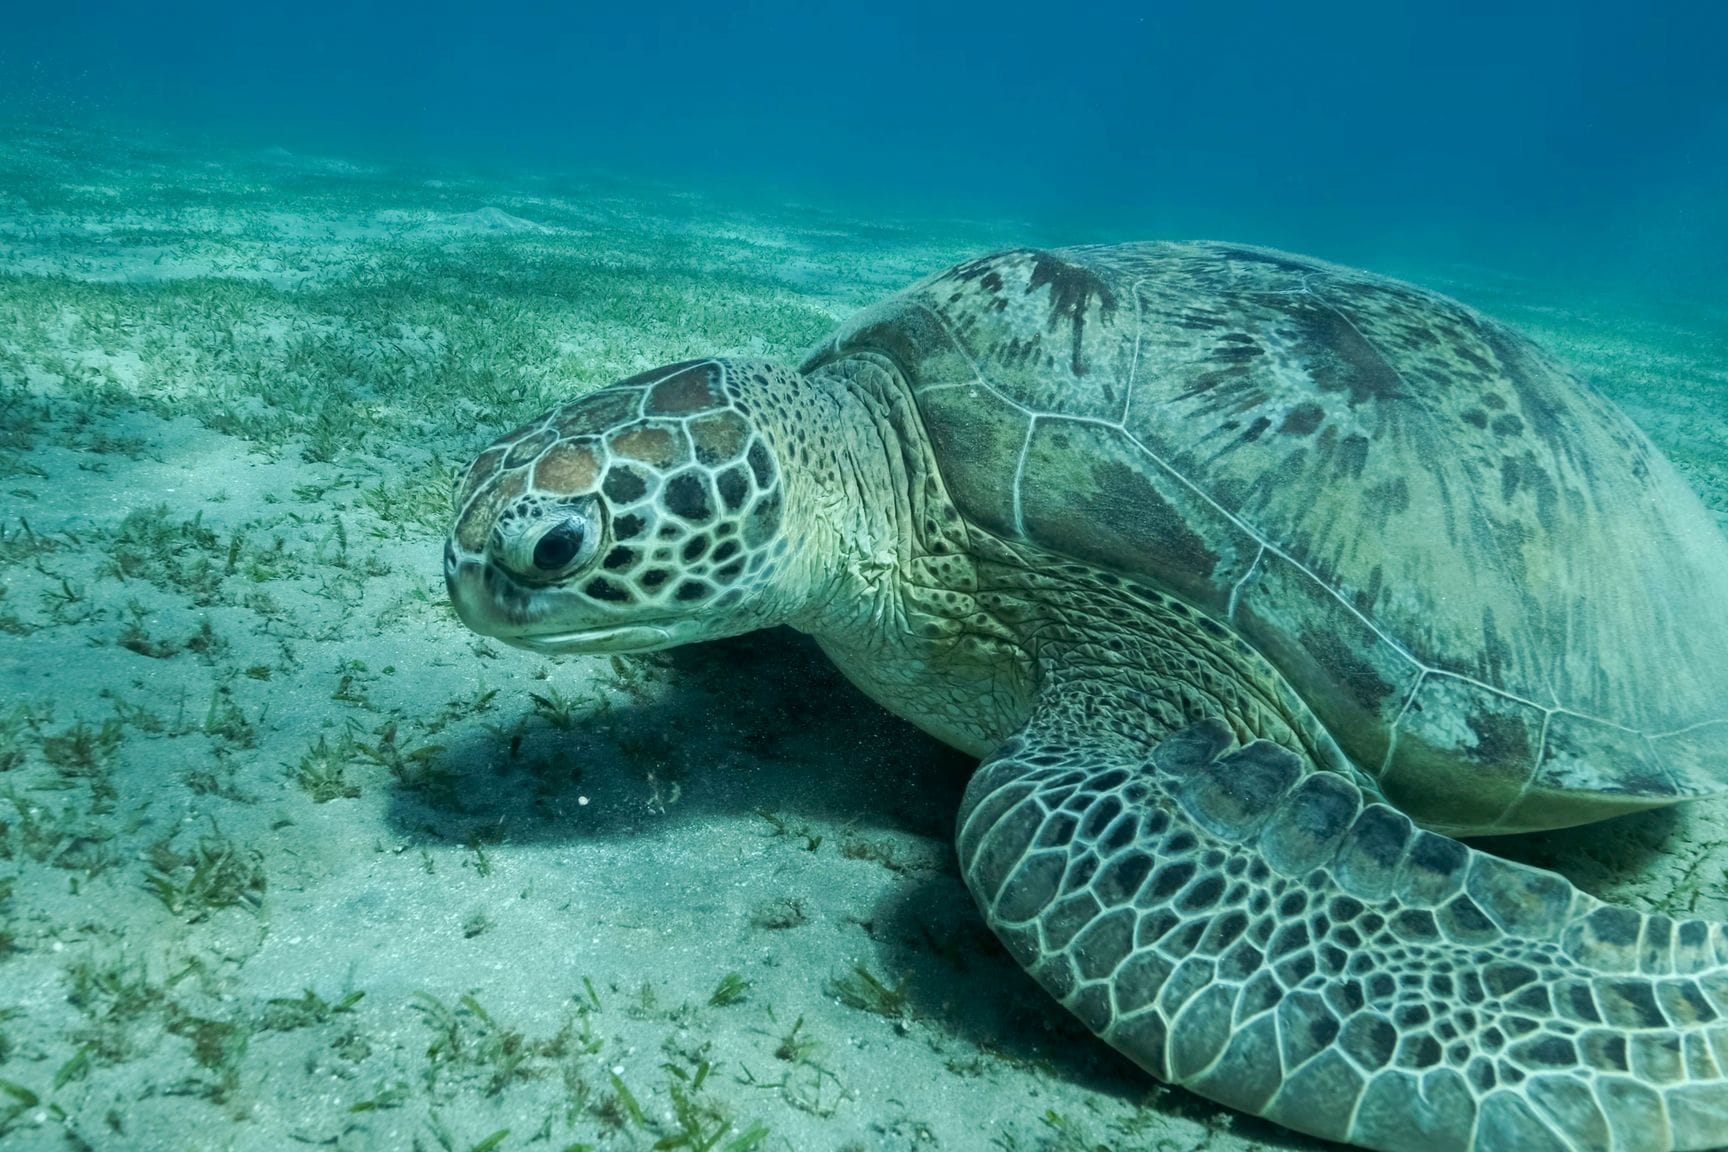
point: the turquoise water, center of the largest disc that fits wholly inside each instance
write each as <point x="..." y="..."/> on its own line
<point x="288" y="857"/>
<point x="1572" y="139"/>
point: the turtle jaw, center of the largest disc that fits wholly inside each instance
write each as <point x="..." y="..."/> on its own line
<point x="622" y="638"/>
<point x="538" y="619"/>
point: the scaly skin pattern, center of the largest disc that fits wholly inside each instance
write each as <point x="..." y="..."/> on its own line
<point x="1262" y="932"/>
<point x="1165" y="830"/>
<point x="1251" y="929"/>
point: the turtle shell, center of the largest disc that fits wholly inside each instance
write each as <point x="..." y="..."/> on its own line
<point x="1482" y="578"/>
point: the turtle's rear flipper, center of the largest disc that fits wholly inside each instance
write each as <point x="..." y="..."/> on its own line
<point x="1244" y="925"/>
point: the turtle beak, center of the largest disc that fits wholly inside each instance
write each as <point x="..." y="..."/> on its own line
<point x="492" y="604"/>
<point x="489" y="601"/>
<point x="464" y="581"/>
<point x="625" y="638"/>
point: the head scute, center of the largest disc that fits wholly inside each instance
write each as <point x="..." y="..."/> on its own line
<point x="652" y="498"/>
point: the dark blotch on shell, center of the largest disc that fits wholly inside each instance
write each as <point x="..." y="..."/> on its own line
<point x="1341" y="360"/>
<point x="1302" y="419"/>
<point x="1072" y="289"/>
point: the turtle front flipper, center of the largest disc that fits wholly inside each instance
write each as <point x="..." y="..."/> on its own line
<point x="1243" y="924"/>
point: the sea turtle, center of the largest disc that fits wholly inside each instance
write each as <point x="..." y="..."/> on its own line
<point x="1253" y="580"/>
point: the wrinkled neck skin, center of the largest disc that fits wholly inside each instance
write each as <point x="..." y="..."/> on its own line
<point x="897" y="609"/>
<point x="856" y="522"/>
<point x="957" y="631"/>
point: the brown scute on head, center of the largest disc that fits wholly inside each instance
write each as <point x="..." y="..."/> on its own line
<point x="480" y="472"/>
<point x="656" y="374"/>
<point x="719" y="437"/>
<point x="476" y="523"/>
<point x="527" y="448"/>
<point x="570" y="468"/>
<point x="696" y="389"/>
<point x="656" y="444"/>
<point x="507" y="440"/>
<point x="598" y="411"/>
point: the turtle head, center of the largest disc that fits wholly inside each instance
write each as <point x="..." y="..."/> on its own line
<point x="645" y="515"/>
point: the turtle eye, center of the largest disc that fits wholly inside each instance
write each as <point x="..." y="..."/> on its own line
<point x="560" y="545"/>
<point x="546" y="543"/>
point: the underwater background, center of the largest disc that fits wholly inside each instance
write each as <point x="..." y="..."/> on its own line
<point x="289" y="858"/>
<point x="1568" y="139"/>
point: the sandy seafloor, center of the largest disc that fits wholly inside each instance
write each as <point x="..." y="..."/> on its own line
<point x="290" y="859"/>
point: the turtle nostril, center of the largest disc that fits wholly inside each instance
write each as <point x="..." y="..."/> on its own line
<point x="559" y="546"/>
